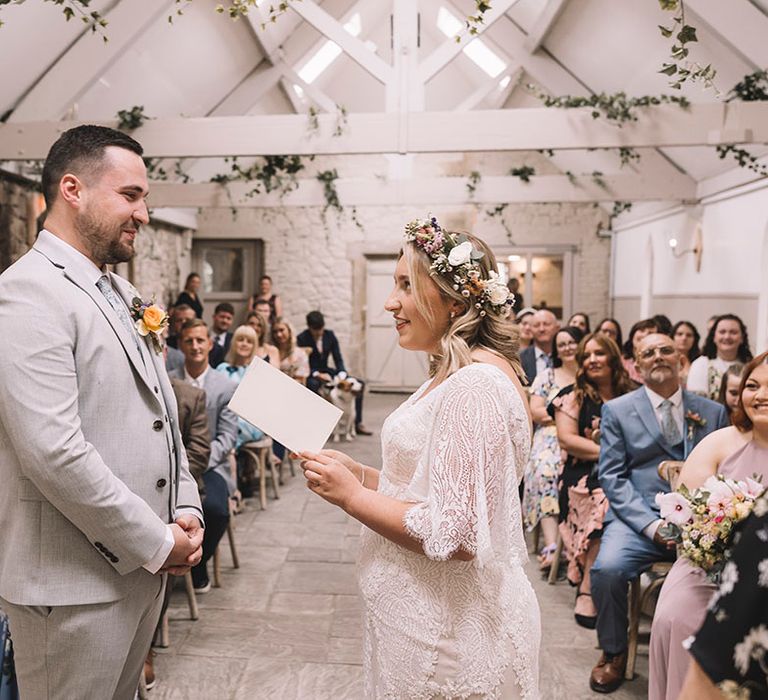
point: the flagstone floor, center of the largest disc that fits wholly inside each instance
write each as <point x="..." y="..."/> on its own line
<point x="286" y="624"/>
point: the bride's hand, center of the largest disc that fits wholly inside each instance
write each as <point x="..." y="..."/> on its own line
<point x="355" y="467"/>
<point x="329" y="477"/>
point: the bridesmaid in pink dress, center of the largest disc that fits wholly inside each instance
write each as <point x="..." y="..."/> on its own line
<point x="736" y="452"/>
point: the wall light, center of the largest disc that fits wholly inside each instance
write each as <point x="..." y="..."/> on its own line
<point x="697" y="249"/>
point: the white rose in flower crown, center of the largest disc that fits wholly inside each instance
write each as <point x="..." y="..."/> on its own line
<point x="498" y="293"/>
<point x="461" y="254"/>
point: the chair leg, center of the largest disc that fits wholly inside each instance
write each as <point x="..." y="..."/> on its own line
<point x="634" y="627"/>
<point x="232" y="548"/>
<point x="275" y="478"/>
<point x="217" y="567"/>
<point x="194" y="613"/>
<point x="536" y="538"/>
<point x="263" y="452"/>
<point x="553" y="570"/>
<point x="287" y="458"/>
<point x="165" y="641"/>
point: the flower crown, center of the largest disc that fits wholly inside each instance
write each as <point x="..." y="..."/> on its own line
<point x="455" y="257"/>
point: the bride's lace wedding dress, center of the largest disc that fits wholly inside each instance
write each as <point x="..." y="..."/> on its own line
<point x="436" y="628"/>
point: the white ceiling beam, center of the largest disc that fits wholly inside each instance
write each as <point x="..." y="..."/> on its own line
<point x="450" y="48"/>
<point x="730" y="180"/>
<point x="332" y="29"/>
<point x="437" y="191"/>
<point x="739" y="23"/>
<point x="299" y="106"/>
<point x="312" y="92"/>
<point x="489" y="86"/>
<point x="271" y="35"/>
<point x="544" y="22"/>
<point x="249" y="92"/>
<point x="87" y="60"/>
<point x="427" y="132"/>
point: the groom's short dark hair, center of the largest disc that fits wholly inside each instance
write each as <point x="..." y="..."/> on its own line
<point x="81" y="150"/>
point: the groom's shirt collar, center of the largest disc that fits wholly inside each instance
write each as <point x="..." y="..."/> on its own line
<point x="82" y="265"/>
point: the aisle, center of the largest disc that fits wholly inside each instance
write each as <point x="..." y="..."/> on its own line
<point x="286" y="625"/>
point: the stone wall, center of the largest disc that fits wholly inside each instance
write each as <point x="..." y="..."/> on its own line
<point x="162" y="250"/>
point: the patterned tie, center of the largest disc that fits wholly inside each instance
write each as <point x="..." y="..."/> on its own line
<point x="669" y="428"/>
<point x="105" y="287"/>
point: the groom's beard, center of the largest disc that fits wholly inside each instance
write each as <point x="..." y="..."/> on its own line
<point x="107" y="241"/>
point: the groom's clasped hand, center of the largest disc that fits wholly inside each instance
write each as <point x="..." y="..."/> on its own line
<point x="333" y="475"/>
<point x="187" y="545"/>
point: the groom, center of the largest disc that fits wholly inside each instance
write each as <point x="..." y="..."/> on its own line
<point x="657" y="422"/>
<point x="96" y="499"/>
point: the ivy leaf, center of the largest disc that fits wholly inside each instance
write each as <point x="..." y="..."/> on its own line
<point x="668" y="69"/>
<point x="668" y="5"/>
<point x="666" y="33"/>
<point x="687" y="34"/>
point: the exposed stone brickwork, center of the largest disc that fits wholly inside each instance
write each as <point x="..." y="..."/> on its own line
<point x="14" y="214"/>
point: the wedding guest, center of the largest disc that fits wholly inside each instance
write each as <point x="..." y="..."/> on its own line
<point x="639" y="430"/>
<point x="687" y="340"/>
<point x="727" y="342"/>
<point x="264" y="350"/>
<point x="736" y="452"/>
<point x="538" y="356"/>
<point x="638" y="331"/>
<point x="524" y="320"/>
<point x="324" y="346"/>
<point x="517" y="300"/>
<point x="729" y="388"/>
<point x="730" y="650"/>
<point x="612" y="328"/>
<point x="263" y="308"/>
<point x="663" y="324"/>
<point x="448" y="609"/>
<point x="600" y="377"/>
<point x="266" y="293"/>
<point x="580" y="320"/>
<point x="223" y="316"/>
<point x="540" y="504"/>
<point x="190" y="295"/>
<point x="293" y="359"/>
<point x="242" y="350"/>
<point x="179" y="315"/>
<point x="220" y="483"/>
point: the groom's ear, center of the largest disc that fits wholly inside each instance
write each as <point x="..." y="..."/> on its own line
<point x="71" y="190"/>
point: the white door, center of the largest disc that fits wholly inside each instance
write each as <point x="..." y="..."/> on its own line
<point x="388" y="366"/>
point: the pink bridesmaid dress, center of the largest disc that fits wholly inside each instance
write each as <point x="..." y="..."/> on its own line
<point x="686" y="593"/>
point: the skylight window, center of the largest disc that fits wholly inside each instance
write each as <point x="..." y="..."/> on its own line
<point x="328" y="52"/>
<point x="477" y="50"/>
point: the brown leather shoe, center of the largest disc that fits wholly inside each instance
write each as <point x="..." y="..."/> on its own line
<point x="607" y="676"/>
<point x="149" y="670"/>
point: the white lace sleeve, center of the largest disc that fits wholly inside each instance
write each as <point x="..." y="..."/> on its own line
<point x="459" y="479"/>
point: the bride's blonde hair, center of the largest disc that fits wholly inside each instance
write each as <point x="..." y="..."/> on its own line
<point x="468" y="329"/>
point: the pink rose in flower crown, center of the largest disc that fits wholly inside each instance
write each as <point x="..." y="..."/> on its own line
<point x="675" y="508"/>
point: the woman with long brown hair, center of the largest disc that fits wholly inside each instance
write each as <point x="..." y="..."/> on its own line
<point x="600" y="377"/>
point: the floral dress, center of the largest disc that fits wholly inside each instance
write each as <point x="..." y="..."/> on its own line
<point x="436" y="627"/>
<point x="542" y="472"/>
<point x="732" y="645"/>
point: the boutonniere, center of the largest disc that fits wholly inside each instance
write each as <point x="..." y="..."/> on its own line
<point x="694" y="420"/>
<point x="150" y="320"/>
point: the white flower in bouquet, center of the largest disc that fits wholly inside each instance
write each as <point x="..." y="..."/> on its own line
<point x="675" y="508"/>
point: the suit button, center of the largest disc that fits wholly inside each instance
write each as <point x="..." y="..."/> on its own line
<point x="156" y="390"/>
<point x="99" y="546"/>
<point x="157" y="425"/>
<point x="161" y="483"/>
<point x="114" y="559"/>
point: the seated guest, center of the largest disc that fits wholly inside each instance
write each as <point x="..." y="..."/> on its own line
<point x="729" y="389"/>
<point x="687" y="340"/>
<point x="538" y="356"/>
<point x="179" y="316"/>
<point x="266" y="295"/>
<point x="223" y="316"/>
<point x="737" y="452"/>
<point x="263" y="349"/>
<point x="612" y="328"/>
<point x="241" y="351"/>
<point x="293" y="359"/>
<point x="513" y="284"/>
<point x="727" y="342"/>
<point x="580" y="320"/>
<point x="638" y="431"/>
<point x="174" y="358"/>
<point x="663" y="324"/>
<point x="193" y="426"/>
<point x="730" y="651"/>
<point x="524" y="320"/>
<point x="600" y="377"/>
<point x="323" y="346"/>
<point x="542" y="472"/>
<point x="195" y="342"/>
<point x="190" y="295"/>
<point x="263" y="308"/>
<point x="638" y="331"/>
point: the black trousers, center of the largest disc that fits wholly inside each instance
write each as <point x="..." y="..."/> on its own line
<point x="216" y="514"/>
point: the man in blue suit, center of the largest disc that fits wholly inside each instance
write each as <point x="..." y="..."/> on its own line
<point x="639" y="430"/>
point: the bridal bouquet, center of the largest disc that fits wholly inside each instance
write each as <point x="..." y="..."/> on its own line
<point x="702" y="521"/>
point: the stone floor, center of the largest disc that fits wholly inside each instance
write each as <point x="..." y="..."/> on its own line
<point x="286" y="624"/>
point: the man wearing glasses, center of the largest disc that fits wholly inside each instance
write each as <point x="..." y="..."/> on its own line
<point x="657" y="422"/>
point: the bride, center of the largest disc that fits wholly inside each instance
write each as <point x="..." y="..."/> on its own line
<point x="449" y="612"/>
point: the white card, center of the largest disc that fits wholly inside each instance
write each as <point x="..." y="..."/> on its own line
<point x="284" y="409"/>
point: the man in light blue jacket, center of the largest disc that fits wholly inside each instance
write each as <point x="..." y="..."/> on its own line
<point x="639" y="430"/>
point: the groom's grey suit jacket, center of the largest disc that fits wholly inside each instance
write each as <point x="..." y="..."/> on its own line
<point x="92" y="466"/>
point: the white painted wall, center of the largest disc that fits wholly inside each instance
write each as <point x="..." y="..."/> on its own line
<point x="732" y="271"/>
